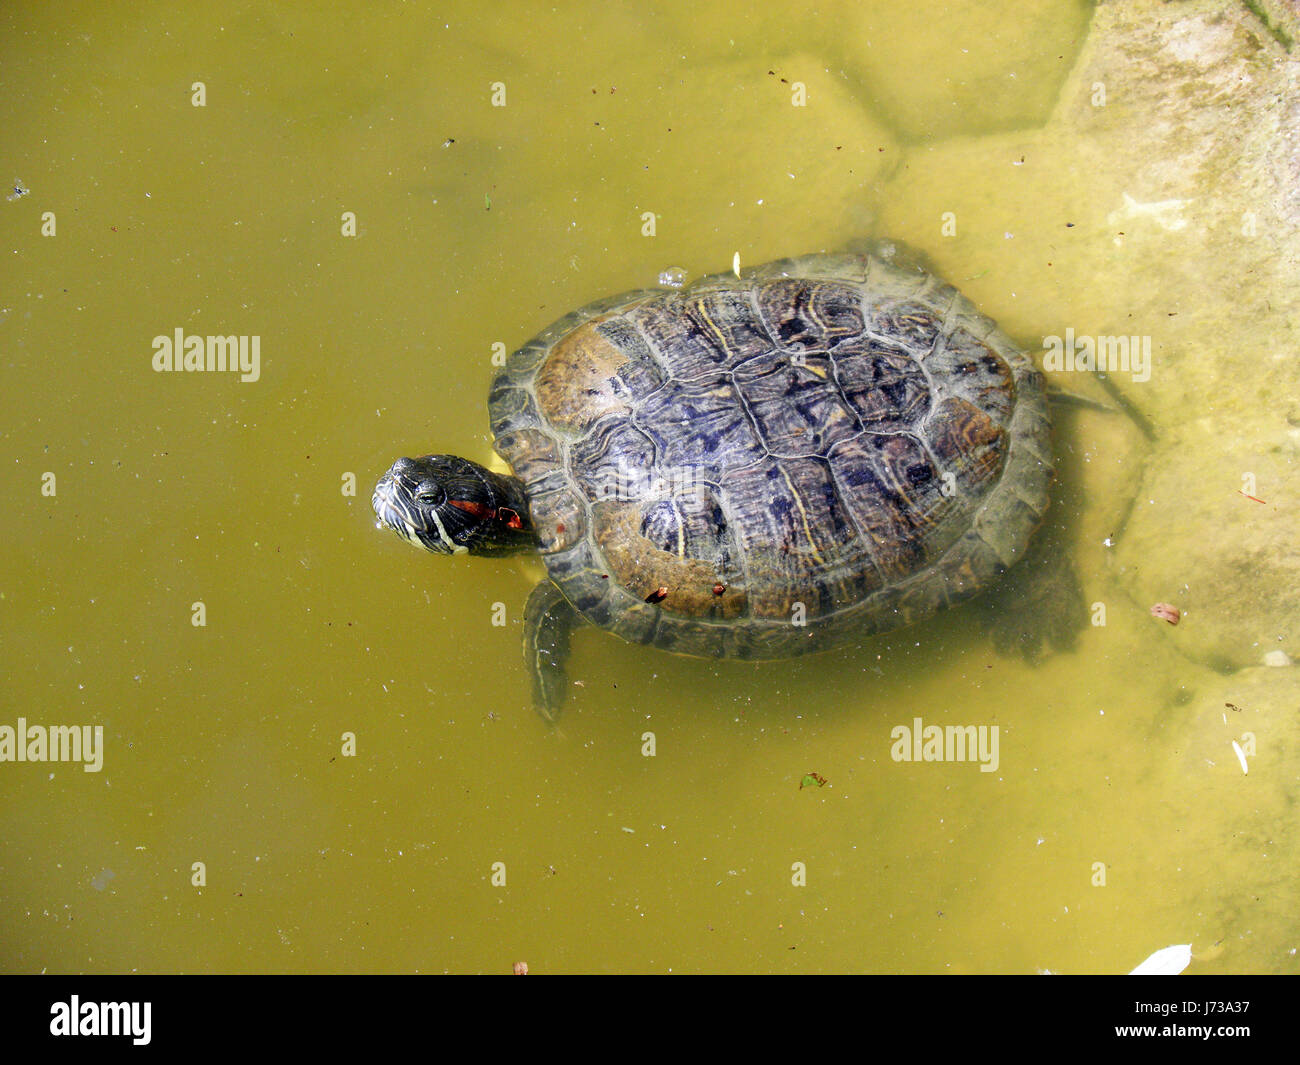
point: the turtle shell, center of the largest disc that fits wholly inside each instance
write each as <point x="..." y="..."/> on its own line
<point x="756" y="466"/>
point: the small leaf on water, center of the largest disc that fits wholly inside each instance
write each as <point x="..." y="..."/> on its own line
<point x="812" y="778"/>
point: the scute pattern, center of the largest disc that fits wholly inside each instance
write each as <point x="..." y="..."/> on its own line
<point x="795" y="413"/>
<point x="692" y="525"/>
<point x="894" y="490"/>
<point x="884" y="383"/>
<point x="810" y="317"/>
<point x="615" y="460"/>
<point x="824" y="448"/>
<point x="797" y="526"/>
<point x="690" y="336"/>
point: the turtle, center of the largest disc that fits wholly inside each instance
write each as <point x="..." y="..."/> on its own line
<point x="760" y="464"/>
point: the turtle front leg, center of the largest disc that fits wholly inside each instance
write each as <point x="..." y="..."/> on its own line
<point x="548" y="621"/>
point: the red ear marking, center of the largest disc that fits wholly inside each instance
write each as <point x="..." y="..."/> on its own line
<point x="478" y="510"/>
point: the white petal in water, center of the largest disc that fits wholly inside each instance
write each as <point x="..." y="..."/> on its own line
<point x="1168" y="962"/>
<point x="1241" y="756"/>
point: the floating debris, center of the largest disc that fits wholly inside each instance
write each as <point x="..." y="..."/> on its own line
<point x="1167" y="962"/>
<point x="657" y="596"/>
<point x="1166" y="612"/>
<point x="811" y="779"/>
<point x="20" y="190"/>
<point x="673" y="277"/>
<point x="521" y="968"/>
<point x="1241" y="756"/>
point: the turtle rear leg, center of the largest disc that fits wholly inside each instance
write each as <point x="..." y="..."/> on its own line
<point x="548" y="621"/>
<point x="1039" y="605"/>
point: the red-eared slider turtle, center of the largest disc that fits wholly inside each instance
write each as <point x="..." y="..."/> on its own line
<point x="754" y="466"/>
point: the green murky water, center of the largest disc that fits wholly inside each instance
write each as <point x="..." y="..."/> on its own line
<point x="475" y="225"/>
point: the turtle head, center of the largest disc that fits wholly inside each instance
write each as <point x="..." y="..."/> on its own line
<point x="451" y="506"/>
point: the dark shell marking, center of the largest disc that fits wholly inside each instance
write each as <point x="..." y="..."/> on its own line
<point x="832" y="439"/>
